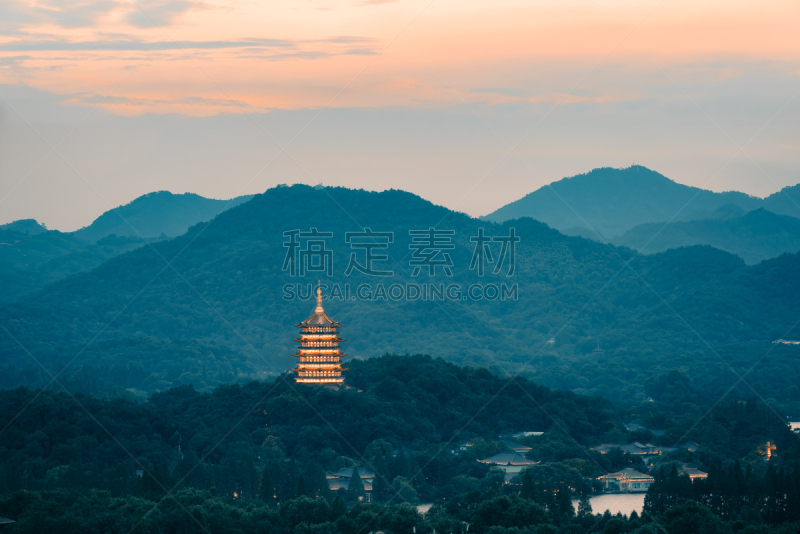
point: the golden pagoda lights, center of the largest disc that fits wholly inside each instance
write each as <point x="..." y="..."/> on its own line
<point x="319" y="357"/>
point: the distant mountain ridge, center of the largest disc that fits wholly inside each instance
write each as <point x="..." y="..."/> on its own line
<point x="225" y="287"/>
<point x="613" y="201"/>
<point x="24" y="226"/>
<point x="31" y="256"/>
<point x="157" y="213"/>
<point x="755" y="236"/>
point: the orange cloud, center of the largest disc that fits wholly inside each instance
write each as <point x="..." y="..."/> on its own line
<point x="282" y="56"/>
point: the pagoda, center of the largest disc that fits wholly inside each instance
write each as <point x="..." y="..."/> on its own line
<point x="320" y="359"/>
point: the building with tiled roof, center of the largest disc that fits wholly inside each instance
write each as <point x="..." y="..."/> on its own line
<point x="512" y="463"/>
<point x="341" y="480"/>
<point x="516" y="447"/>
<point x="693" y="473"/>
<point x="626" y="481"/>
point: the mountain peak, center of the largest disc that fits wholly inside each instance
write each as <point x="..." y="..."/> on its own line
<point x="610" y="201"/>
<point x="25" y="226"/>
<point x="157" y="213"/>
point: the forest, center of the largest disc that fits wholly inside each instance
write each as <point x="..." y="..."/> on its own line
<point x="253" y="457"/>
<point x="215" y="315"/>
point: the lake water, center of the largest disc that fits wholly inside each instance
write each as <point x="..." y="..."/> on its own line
<point x="624" y="503"/>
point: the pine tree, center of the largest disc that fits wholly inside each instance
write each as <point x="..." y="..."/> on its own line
<point x="266" y="489"/>
<point x="301" y="488"/>
<point x="338" y="508"/>
<point x="380" y="489"/>
<point x="563" y="500"/>
<point x="584" y="506"/>
<point x="316" y="481"/>
<point x="355" y="488"/>
<point x="528" y="486"/>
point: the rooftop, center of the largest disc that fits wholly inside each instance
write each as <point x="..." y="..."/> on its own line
<point x="514" y="446"/>
<point x="693" y="472"/>
<point x="347" y="472"/>
<point x="508" y="458"/>
<point x="319" y="317"/>
<point x="626" y="474"/>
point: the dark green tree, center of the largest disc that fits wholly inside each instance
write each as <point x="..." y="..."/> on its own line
<point x="301" y="488"/>
<point x="508" y="511"/>
<point x="355" y="488"/>
<point x="528" y="490"/>
<point x="266" y="490"/>
<point x="584" y="506"/>
<point x="338" y="508"/>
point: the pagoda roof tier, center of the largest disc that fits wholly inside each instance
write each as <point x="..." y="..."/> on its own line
<point x="330" y="340"/>
<point x="312" y="353"/>
<point x="319" y="381"/>
<point x="303" y="370"/>
<point x="319" y="317"/>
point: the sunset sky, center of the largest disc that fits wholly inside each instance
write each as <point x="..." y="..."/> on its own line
<point x="468" y="104"/>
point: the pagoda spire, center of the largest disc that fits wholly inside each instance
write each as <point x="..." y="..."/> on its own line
<point x="319" y="298"/>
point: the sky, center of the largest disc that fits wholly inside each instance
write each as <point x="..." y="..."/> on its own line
<point x="468" y="104"/>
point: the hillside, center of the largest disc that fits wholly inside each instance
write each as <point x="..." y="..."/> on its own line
<point x="229" y="456"/>
<point x="32" y="257"/>
<point x="611" y="201"/>
<point x="268" y="433"/>
<point x="784" y="202"/>
<point x="756" y="236"/>
<point x="226" y="289"/>
<point x="157" y="213"/>
<point x="30" y="261"/>
<point x="24" y="226"/>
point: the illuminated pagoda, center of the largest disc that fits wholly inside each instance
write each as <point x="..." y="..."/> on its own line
<point x="320" y="359"/>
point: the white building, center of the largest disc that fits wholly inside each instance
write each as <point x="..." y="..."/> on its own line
<point x="626" y="481"/>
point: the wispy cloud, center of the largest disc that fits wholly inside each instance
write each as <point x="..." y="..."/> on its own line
<point x="505" y="91"/>
<point x="70" y="14"/>
<point x="75" y="13"/>
<point x="115" y="101"/>
<point x="61" y="45"/>
<point x="153" y="13"/>
<point x="41" y="45"/>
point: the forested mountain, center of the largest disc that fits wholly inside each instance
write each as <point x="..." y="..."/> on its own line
<point x="784" y="202"/>
<point x="698" y="309"/>
<point x="32" y="257"/>
<point x="755" y="236"/>
<point x="24" y="226"/>
<point x="156" y="214"/>
<point x="28" y="262"/>
<point x="632" y="207"/>
<point x="253" y="458"/>
<point x="611" y="201"/>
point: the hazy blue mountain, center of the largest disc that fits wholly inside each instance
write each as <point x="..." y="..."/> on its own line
<point x="32" y="257"/>
<point x="28" y="262"/>
<point x="728" y="211"/>
<point x="156" y="214"/>
<point x="24" y="226"/>
<point x="755" y="236"/>
<point x="784" y="202"/>
<point x="611" y="201"/>
<point x="225" y="286"/>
